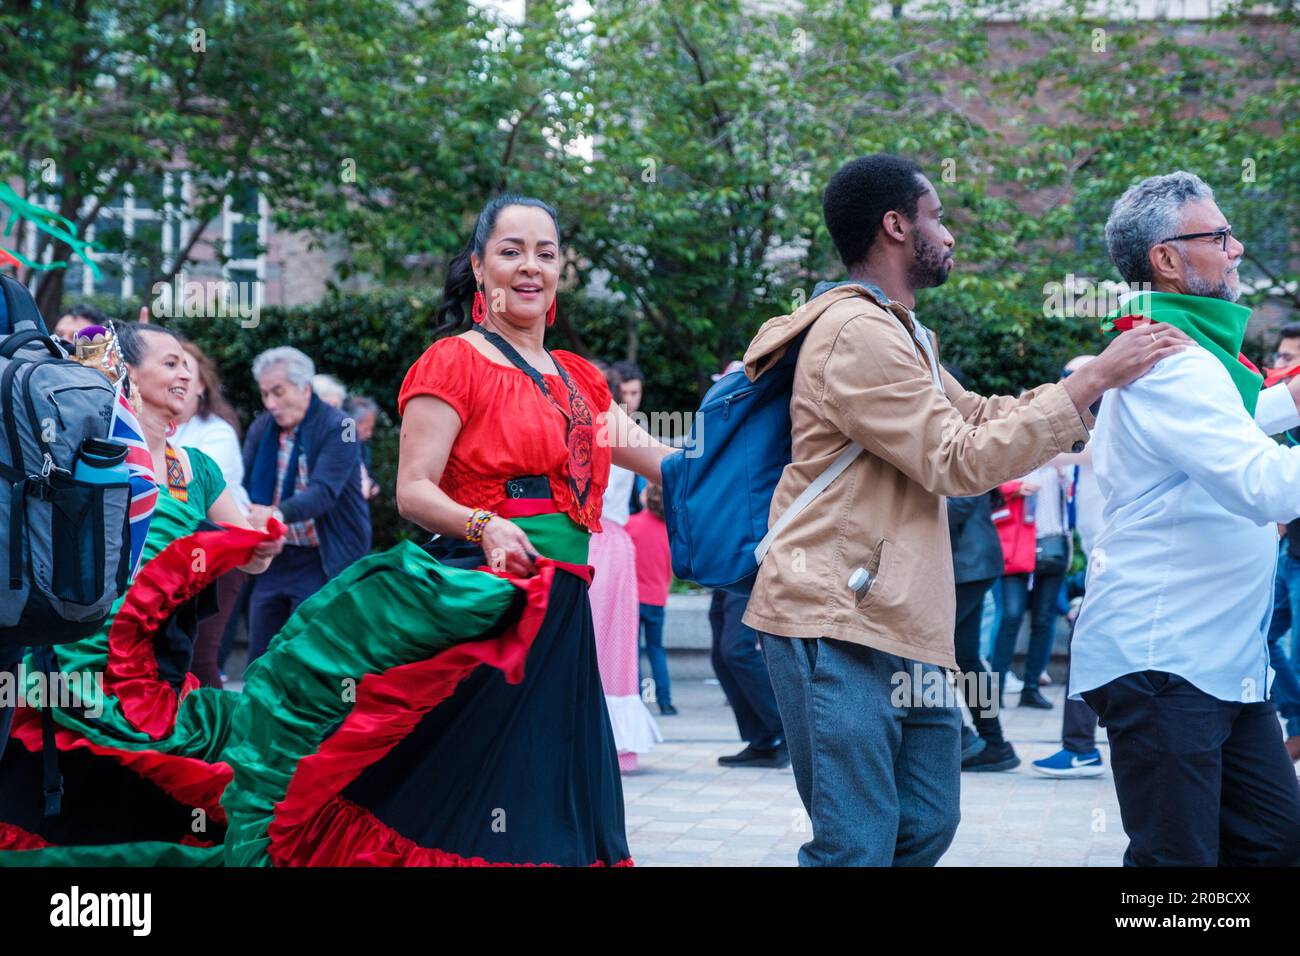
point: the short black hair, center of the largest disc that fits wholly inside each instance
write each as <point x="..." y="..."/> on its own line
<point x="859" y="195"/>
<point x="1289" y="331"/>
<point x="629" y="371"/>
<point x="84" y="310"/>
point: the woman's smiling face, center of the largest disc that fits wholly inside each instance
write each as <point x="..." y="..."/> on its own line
<point x="163" y="375"/>
<point x="520" y="267"/>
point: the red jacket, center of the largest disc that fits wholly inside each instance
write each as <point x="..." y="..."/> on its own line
<point x="1019" y="538"/>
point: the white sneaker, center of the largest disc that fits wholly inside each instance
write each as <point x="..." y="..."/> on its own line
<point x="1013" y="684"/>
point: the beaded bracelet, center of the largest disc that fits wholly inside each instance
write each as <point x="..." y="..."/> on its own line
<point x="478" y="520"/>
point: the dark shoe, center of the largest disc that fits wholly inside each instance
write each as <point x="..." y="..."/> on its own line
<point x="1033" y="697"/>
<point x="992" y="758"/>
<point x="776" y="757"/>
<point x="971" y="743"/>
<point x="667" y="710"/>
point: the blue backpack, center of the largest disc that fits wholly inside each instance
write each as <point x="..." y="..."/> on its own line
<point x="718" y="492"/>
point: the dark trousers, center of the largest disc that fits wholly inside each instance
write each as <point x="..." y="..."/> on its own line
<point x="9" y="671"/>
<point x="207" y="645"/>
<point x="966" y="646"/>
<point x="1201" y="781"/>
<point x="294" y="575"/>
<point x="1041" y="602"/>
<point x="1079" y="722"/>
<point x="1286" y="683"/>
<point x="742" y="671"/>
<point x="652" y="626"/>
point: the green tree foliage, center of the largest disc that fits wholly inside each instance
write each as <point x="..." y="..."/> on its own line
<point x="686" y="145"/>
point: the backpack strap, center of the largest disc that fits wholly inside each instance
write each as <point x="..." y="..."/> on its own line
<point x="815" y="488"/>
<point x="20" y="339"/>
<point x="52" y="782"/>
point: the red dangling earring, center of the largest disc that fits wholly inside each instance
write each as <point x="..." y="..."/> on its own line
<point x="550" y="313"/>
<point x="479" y="310"/>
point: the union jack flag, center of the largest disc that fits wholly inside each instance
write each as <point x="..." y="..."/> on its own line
<point x="144" y="487"/>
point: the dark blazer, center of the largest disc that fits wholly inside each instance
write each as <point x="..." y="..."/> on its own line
<point x="333" y="493"/>
<point x="976" y="549"/>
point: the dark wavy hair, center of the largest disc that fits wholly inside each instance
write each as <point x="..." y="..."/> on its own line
<point x="458" y="290"/>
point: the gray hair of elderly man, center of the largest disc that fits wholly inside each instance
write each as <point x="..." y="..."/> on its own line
<point x="329" y="389"/>
<point x="1148" y="212"/>
<point x="297" y="366"/>
<point x="359" y="406"/>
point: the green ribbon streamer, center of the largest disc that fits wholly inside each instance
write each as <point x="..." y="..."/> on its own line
<point x="48" y="222"/>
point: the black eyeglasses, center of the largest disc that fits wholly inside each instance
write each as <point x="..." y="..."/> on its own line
<point x="1220" y="234"/>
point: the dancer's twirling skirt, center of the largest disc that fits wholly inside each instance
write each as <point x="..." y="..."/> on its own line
<point x="409" y="714"/>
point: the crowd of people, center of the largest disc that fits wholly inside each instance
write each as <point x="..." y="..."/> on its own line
<point x="496" y="671"/>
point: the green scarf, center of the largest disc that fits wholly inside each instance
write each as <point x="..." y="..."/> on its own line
<point x="1215" y="324"/>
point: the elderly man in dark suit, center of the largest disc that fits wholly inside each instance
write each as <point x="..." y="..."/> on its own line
<point x="302" y="466"/>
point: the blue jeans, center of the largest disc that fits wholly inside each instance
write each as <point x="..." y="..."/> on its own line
<point x="879" y="777"/>
<point x="1286" y="602"/>
<point x="1042" y="624"/>
<point x="990" y="619"/>
<point x="652" y="626"/>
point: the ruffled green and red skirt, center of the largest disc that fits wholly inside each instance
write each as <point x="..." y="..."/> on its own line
<point x="408" y="714"/>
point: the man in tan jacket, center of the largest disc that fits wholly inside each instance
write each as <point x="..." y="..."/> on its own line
<point x="855" y="599"/>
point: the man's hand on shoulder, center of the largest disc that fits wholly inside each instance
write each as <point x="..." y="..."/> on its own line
<point x="1130" y="356"/>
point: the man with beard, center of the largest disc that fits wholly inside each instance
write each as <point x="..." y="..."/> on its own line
<point x="856" y="596"/>
<point x="1170" y="648"/>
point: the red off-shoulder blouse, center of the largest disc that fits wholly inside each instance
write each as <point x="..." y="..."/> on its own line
<point x="508" y="428"/>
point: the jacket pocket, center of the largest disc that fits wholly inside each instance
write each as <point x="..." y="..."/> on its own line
<point x="877" y="566"/>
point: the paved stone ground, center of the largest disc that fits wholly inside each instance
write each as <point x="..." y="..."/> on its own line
<point x="685" y="810"/>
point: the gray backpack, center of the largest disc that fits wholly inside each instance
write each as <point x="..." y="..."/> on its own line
<point x="65" y="545"/>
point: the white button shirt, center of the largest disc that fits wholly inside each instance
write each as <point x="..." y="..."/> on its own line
<point x="1181" y="576"/>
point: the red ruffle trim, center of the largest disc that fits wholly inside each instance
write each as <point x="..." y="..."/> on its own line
<point x="344" y="834"/>
<point x="187" y="780"/>
<point x="16" y="838"/>
<point x="168" y="580"/>
<point x="314" y="825"/>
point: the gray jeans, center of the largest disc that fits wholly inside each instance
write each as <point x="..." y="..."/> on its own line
<point x="875" y="743"/>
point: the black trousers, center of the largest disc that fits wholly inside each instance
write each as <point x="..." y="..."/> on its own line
<point x="9" y="671"/>
<point x="1201" y="781"/>
<point x="966" y="646"/>
<point x="742" y="671"/>
<point x="1078" y="723"/>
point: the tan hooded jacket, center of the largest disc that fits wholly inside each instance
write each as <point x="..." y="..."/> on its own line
<point x="864" y="375"/>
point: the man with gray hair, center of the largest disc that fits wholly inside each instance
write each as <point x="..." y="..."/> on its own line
<point x="302" y="466"/>
<point x="1170" y="646"/>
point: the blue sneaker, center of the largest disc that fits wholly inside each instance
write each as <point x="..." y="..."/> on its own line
<point x="1067" y="763"/>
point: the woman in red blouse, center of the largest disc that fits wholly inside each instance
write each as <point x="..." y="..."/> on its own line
<point x="508" y="445"/>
